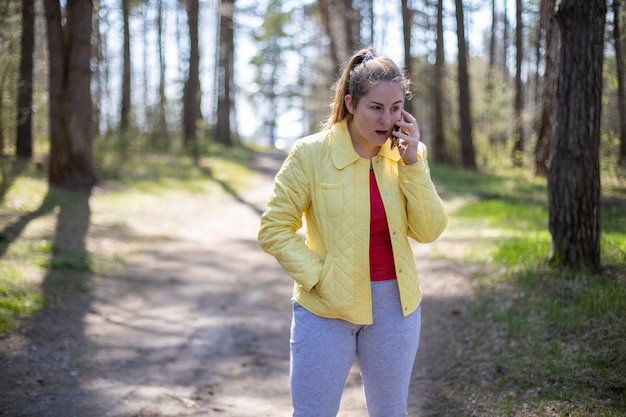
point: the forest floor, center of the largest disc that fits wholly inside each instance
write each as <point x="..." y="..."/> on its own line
<point x="196" y="322"/>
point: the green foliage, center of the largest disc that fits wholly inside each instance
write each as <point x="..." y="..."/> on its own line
<point x="135" y="164"/>
<point x="75" y="261"/>
<point x="554" y="341"/>
<point x="17" y="297"/>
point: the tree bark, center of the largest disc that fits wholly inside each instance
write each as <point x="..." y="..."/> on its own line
<point x="492" y="38"/>
<point x="468" y="156"/>
<point x="225" y="75"/>
<point x="352" y="26"/>
<point x="191" y="100"/>
<point x="548" y="94"/>
<point x="408" y="59"/>
<point x="24" y="138"/>
<point x="439" y="136"/>
<point x="621" y="90"/>
<point x="324" y="6"/>
<point x="71" y="124"/>
<point x="162" y="129"/>
<point x="518" y="144"/>
<point x="574" y="177"/>
<point x="126" y="77"/>
<point x="505" y="40"/>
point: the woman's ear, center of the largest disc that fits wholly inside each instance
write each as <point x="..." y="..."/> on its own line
<point x="349" y="104"/>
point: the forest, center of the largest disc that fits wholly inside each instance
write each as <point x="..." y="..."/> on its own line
<point x="131" y="72"/>
<point x="490" y="87"/>
<point x="541" y="86"/>
<point x="133" y="138"/>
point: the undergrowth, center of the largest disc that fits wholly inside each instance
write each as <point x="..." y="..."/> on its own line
<point x="553" y="341"/>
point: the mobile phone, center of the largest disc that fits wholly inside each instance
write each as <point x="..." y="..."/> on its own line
<point x="394" y="140"/>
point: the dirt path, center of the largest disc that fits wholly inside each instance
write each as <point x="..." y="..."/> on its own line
<point x="199" y="326"/>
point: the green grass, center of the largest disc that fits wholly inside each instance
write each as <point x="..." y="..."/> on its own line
<point x="17" y="297"/>
<point x="556" y="341"/>
<point x="38" y="271"/>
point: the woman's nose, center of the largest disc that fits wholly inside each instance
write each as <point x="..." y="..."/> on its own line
<point x="386" y="117"/>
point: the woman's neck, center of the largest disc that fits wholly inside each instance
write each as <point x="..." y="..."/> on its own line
<point x="361" y="146"/>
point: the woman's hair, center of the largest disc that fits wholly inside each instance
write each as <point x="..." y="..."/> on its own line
<point x="363" y="71"/>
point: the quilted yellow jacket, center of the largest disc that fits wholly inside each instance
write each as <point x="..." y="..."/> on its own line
<point x="325" y="179"/>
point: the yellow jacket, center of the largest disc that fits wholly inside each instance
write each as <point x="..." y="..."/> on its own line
<point x="325" y="179"/>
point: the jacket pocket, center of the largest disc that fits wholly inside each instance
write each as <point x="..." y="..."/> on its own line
<point x="325" y="275"/>
<point x="332" y="197"/>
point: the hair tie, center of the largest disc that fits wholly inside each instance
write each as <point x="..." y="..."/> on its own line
<point x="368" y="55"/>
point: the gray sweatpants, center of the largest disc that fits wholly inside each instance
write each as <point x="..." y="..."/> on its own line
<point x="323" y="351"/>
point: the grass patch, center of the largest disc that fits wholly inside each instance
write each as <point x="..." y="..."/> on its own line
<point x="17" y="297"/>
<point x="40" y="264"/>
<point x="553" y="342"/>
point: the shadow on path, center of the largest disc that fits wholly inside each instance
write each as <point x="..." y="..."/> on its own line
<point x="47" y="367"/>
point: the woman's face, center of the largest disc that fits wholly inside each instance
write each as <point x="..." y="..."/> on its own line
<point x="374" y="117"/>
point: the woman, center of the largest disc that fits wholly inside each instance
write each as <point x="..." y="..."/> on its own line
<point x="363" y="185"/>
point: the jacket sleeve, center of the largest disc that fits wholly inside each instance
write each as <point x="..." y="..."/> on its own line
<point x="283" y="218"/>
<point x="427" y="217"/>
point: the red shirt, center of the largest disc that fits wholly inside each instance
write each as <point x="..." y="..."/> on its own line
<point x="381" y="254"/>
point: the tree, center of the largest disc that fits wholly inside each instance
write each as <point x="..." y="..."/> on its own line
<point x="71" y="127"/>
<point x="492" y="40"/>
<point x="439" y="137"/>
<point x="621" y="90"/>
<point x="352" y="20"/>
<point x="518" y="145"/>
<point x="468" y="157"/>
<point x="225" y="90"/>
<point x="161" y="129"/>
<point x="325" y="15"/>
<point x="191" y="96"/>
<point x="574" y="174"/>
<point x="407" y="19"/>
<point x="270" y="65"/>
<point x="24" y="138"/>
<point x="505" y="40"/>
<point x="126" y="77"/>
<point x="548" y="95"/>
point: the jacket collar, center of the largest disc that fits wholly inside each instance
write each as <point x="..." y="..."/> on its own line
<point x="342" y="151"/>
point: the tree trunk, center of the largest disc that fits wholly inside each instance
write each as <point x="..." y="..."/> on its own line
<point x="574" y="177"/>
<point x="162" y="129"/>
<point x="408" y="59"/>
<point x="225" y="76"/>
<point x="439" y="136"/>
<point x="505" y="41"/>
<point x="621" y="93"/>
<point x="518" y="144"/>
<point x="324" y="6"/>
<point x="468" y="157"/>
<point x="126" y="103"/>
<point x="492" y="39"/>
<point x="191" y="100"/>
<point x="24" y="138"/>
<point x="352" y="26"/>
<point x="370" y="7"/>
<point x="548" y="94"/>
<point x="71" y="125"/>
